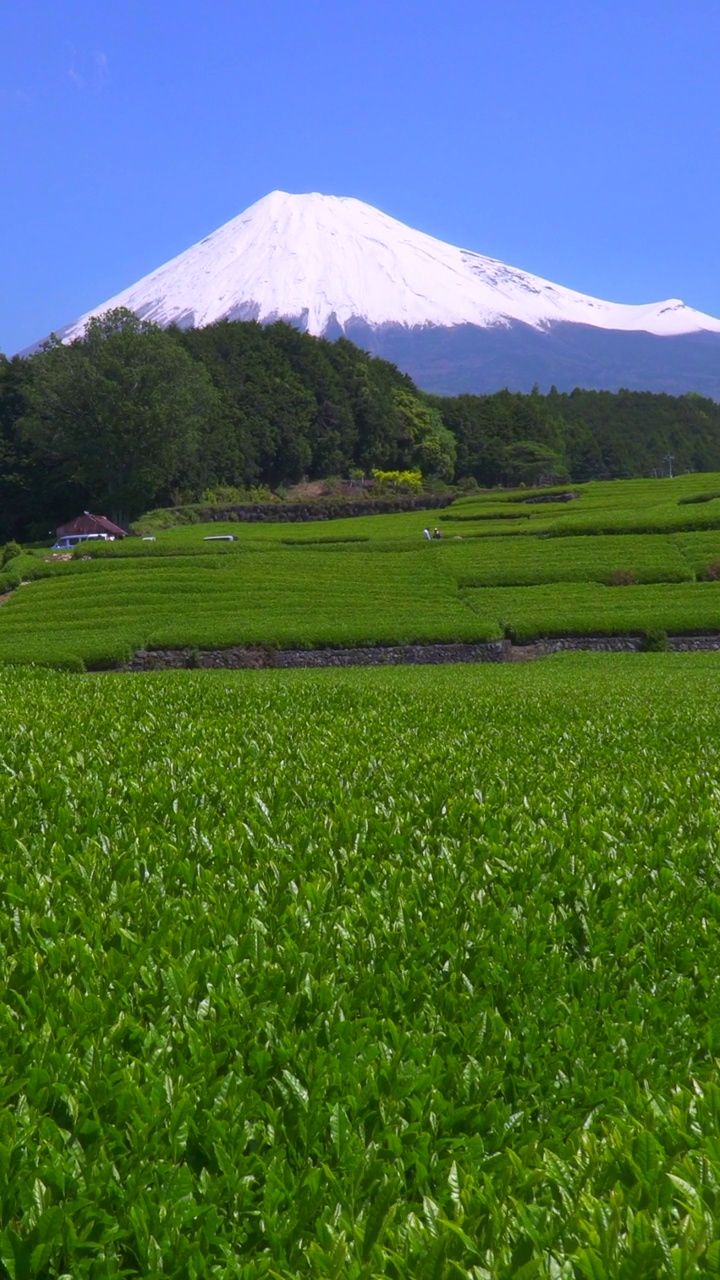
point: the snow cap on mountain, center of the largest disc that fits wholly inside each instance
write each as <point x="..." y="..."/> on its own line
<point x="324" y="261"/>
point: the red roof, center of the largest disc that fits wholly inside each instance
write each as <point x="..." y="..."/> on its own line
<point x="88" y="523"/>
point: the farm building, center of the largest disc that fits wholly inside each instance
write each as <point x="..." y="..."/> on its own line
<point x="88" y="523"/>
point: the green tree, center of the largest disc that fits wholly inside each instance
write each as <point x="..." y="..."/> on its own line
<point x="529" y="462"/>
<point x="32" y="495"/>
<point x="429" y="444"/>
<point x="266" y="405"/>
<point x="118" y="411"/>
<point x="12" y="479"/>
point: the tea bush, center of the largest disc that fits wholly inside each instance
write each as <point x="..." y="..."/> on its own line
<point x="623" y="578"/>
<point x="362" y="974"/>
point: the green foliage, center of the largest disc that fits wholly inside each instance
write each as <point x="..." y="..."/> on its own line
<point x="361" y="974"/>
<point x="118" y="410"/>
<point x="291" y="405"/>
<point x="33" y="493"/>
<point x="25" y="566"/>
<point x="524" y="561"/>
<point x="227" y="494"/>
<point x="397" y="481"/>
<point x="9" y="552"/>
<point x="430" y="445"/>
<point x="531" y="462"/>
<point x="586" y="434"/>
<point x="236" y="405"/>
<point x="169" y="518"/>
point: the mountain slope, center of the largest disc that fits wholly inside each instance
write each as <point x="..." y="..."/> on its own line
<point x="334" y="265"/>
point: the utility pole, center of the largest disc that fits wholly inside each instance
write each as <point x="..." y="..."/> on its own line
<point x="669" y="458"/>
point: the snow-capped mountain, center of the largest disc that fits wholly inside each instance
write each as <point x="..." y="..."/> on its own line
<point x="334" y="265"/>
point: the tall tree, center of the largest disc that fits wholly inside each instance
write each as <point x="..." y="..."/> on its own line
<point x="118" y="411"/>
<point x="29" y="492"/>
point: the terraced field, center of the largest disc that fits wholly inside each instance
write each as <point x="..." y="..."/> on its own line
<point x="617" y="506"/>
<point x="283" y="598"/>
<point x="586" y="608"/>
<point x="546" y="572"/>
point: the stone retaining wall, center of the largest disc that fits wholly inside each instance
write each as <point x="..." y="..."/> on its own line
<point x="631" y="644"/>
<point x="694" y="644"/>
<point x="379" y="656"/>
<point x="244" y="657"/>
<point x="593" y="644"/>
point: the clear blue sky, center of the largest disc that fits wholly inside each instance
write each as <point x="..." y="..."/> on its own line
<point x="574" y="138"/>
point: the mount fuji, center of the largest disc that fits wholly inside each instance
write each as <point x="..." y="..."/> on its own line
<point x="456" y="321"/>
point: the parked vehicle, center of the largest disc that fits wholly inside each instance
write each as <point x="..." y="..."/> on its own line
<point x="70" y="540"/>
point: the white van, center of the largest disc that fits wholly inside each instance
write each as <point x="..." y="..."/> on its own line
<point x="70" y="540"/>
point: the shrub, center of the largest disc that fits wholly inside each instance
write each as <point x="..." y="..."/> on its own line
<point x="398" y="481"/>
<point x="622" y="578"/>
<point x="224" y="494"/>
<point x="9" y="552"/>
<point x="9" y="582"/>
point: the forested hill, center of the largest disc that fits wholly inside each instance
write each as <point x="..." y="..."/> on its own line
<point x="133" y="416"/>
<point x="588" y="435"/>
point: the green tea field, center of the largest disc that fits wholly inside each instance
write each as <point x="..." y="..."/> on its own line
<point x="362" y="974"/>
<point x="620" y="558"/>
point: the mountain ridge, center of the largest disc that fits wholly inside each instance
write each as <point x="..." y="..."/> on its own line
<point x="333" y="265"/>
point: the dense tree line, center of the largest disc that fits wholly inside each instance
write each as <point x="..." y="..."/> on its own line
<point x="131" y="416"/>
<point x="511" y="438"/>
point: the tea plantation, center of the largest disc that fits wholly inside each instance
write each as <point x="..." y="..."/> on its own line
<point x="405" y="973"/>
<point x="373" y="973"/>
<point x="617" y="558"/>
